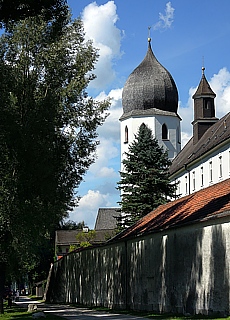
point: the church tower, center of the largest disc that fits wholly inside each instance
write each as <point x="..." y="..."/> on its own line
<point x="150" y="96"/>
<point x="204" y="109"/>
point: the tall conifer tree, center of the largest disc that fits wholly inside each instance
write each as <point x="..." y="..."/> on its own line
<point x="144" y="183"/>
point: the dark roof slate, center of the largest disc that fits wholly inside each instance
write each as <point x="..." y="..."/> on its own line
<point x="105" y="228"/>
<point x="148" y="112"/>
<point x="106" y="218"/>
<point x="66" y="237"/>
<point x="150" y="85"/>
<point x="208" y="203"/>
<point x="203" y="88"/>
<point x="218" y="133"/>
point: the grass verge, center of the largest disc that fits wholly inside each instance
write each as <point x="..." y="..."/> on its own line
<point x="19" y="313"/>
<point x="149" y="315"/>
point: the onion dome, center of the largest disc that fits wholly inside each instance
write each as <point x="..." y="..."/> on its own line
<point x="149" y="86"/>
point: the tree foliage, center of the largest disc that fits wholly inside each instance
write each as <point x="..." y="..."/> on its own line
<point x="144" y="183"/>
<point x="85" y="239"/>
<point x="15" y="10"/>
<point x="47" y="130"/>
<point x="72" y="225"/>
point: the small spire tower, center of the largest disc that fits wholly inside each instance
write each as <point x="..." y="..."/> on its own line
<point x="204" y="108"/>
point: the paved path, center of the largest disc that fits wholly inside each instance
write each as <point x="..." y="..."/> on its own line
<point x="71" y="313"/>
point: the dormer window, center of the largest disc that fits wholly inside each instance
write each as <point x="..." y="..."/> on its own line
<point x="164" y="132"/>
<point x="126" y="134"/>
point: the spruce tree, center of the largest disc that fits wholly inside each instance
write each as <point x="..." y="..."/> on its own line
<point x="144" y="183"/>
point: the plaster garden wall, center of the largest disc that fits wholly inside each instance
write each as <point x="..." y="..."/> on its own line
<point x="183" y="270"/>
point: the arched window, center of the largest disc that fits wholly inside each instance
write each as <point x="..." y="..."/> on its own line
<point x="126" y="134"/>
<point x="164" y="132"/>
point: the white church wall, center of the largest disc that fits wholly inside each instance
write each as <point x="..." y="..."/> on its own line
<point x="172" y="144"/>
<point x="133" y="125"/>
<point x="208" y="170"/>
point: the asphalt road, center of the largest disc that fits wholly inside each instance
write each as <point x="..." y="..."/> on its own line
<point x="68" y="312"/>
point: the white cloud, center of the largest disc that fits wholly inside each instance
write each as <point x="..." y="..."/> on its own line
<point x="185" y="137"/>
<point x="109" y="137"/>
<point x="186" y="113"/>
<point x="220" y="84"/>
<point x="106" y="151"/>
<point x="165" y="21"/>
<point x="92" y="199"/>
<point x="105" y="172"/>
<point x="88" y="207"/>
<point x="100" y="26"/>
<point x="111" y="127"/>
<point x="111" y="151"/>
<point x="103" y="175"/>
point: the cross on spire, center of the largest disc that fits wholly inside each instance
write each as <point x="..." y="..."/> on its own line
<point x="149" y="38"/>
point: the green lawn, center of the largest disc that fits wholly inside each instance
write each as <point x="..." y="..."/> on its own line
<point x="150" y="315"/>
<point x="19" y="313"/>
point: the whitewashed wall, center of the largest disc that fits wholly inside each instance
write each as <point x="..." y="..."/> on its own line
<point x="182" y="270"/>
<point x="208" y="170"/>
<point x="172" y="145"/>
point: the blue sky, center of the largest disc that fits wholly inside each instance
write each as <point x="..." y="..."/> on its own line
<point x="185" y="35"/>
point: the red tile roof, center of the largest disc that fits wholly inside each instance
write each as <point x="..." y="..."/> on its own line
<point x="199" y="206"/>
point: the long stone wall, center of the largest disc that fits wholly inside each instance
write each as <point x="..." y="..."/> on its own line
<point x="184" y="270"/>
<point x="93" y="277"/>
